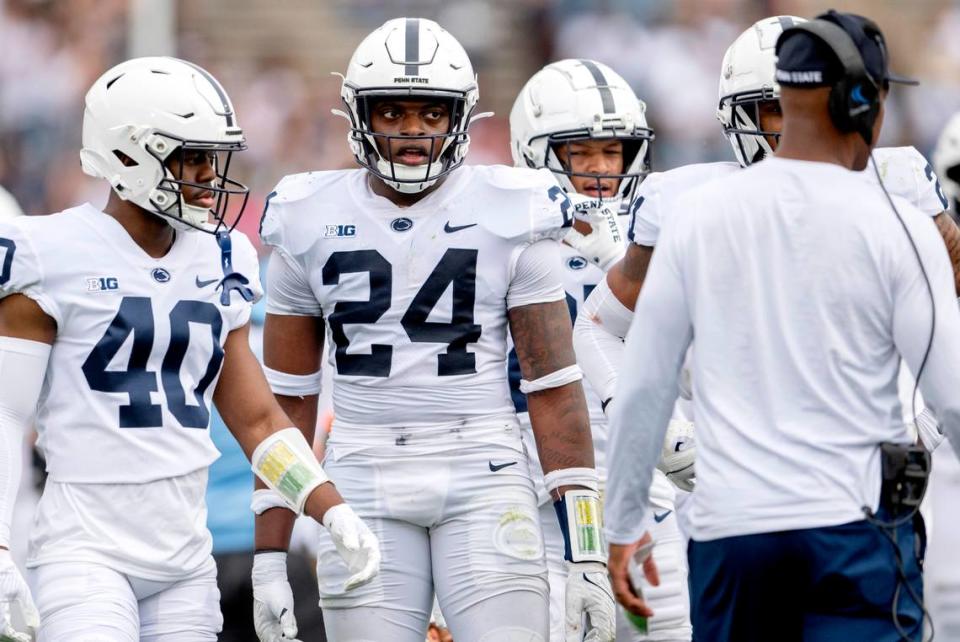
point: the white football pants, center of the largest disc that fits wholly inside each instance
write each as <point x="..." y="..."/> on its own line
<point x="455" y="512"/>
<point x="86" y="602"/>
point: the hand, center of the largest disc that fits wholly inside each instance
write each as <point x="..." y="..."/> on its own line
<point x="357" y="545"/>
<point x="618" y="564"/>
<point x="604" y="245"/>
<point x="438" y="634"/>
<point x="13" y="589"/>
<point x="588" y="593"/>
<point x="273" y="617"/>
<point x="678" y="455"/>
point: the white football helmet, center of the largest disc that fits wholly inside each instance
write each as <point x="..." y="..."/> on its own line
<point x="746" y="80"/>
<point x="946" y="160"/>
<point x="576" y="100"/>
<point x="409" y="58"/>
<point x="141" y="112"/>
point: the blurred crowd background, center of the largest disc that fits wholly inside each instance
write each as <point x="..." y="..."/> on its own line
<point x="276" y="59"/>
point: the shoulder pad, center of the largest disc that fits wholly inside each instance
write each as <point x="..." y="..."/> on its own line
<point x="906" y="173"/>
<point x="289" y="207"/>
<point x="520" y="204"/>
<point x="20" y="266"/>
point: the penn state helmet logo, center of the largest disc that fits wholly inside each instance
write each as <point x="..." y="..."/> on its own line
<point x="576" y="263"/>
<point x="401" y="224"/>
<point x="160" y="275"/>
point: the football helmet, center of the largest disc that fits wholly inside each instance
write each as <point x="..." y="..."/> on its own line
<point x="142" y="111"/>
<point x="946" y="160"/>
<point x="577" y="100"/>
<point x="409" y="59"/>
<point x="746" y="80"/>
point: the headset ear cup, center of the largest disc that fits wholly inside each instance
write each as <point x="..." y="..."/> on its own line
<point x="838" y="105"/>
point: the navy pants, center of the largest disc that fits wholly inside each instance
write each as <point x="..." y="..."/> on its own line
<point x="813" y="585"/>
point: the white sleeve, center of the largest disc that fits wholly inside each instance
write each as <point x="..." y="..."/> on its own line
<point x="912" y="324"/>
<point x="288" y="292"/>
<point x="645" y="216"/>
<point x="534" y="276"/>
<point x="23" y="365"/>
<point x="646" y="393"/>
<point x="930" y="197"/>
<point x="602" y="323"/>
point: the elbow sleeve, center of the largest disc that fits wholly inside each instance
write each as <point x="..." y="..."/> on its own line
<point x="598" y="336"/>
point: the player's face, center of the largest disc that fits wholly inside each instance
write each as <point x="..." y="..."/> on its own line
<point x="410" y="118"/>
<point x="198" y="166"/>
<point x="771" y="120"/>
<point x="593" y="157"/>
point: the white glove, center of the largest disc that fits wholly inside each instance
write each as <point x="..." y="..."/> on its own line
<point x="678" y="454"/>
<point x="604" y="245"/>
<point x="588" y="593"/>
<point x="13" y="589"/>
<point x="273" y="617"/>
<point x="357" y="545"/>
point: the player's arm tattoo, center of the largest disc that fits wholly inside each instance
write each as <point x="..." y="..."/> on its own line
<point x="626" y="277"/>
<point x="542" y="334"/>
<point x="951" y="239"/>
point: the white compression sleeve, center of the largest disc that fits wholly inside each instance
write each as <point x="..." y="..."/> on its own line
<point x="23" y="365"/>
<point x="598" y="334"/>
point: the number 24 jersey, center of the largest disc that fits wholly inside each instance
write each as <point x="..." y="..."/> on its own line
<point x="415" y="299"/>
<point x="139" y="343"/>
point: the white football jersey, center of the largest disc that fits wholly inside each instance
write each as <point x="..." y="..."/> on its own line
<point x="905" y="173"/>
<point x="139" y="342"/>
<point x="579" y="276"/>
<point x="415" y="299"/>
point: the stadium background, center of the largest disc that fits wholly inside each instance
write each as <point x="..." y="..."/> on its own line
<point x="276" y="57"/>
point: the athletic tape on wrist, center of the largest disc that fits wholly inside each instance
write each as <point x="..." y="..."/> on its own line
<point x="586" y="477"/>
<point x="264" y="499"/>
<point x="291" y="385"/>
<point x="561" y="377"/>
<point x="286" y="463"/>
<point x="579" y="513"/>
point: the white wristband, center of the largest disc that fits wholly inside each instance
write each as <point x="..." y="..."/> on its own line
<point x="555" y="379"/>
<point x="286" y="463"/>
<point x="264" y="499"/>
<point x="291" y="385"/>
<point x="586" y="477"/>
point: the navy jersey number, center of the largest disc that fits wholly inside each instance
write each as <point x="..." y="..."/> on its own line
<point x="931" y="176"/>
<point x="457" y="267"/>
<point x="9" y="247"/>
<point x="135" y="317"/>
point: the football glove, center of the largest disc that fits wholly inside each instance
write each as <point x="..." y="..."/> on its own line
<point x="13" y="589"/>
<point x="588" y="593"/>
<point x="604" y="245"/>
<point x="357" y="545"/>
<point x="678" y="454"/>
<point x="273" y="618"/>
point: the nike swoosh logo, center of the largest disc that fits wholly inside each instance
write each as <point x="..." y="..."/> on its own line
<point x="450" y="229"/>
<point x="495" y="467"/>
<point x="203" y="284"/>
<point x="661" y="517"/>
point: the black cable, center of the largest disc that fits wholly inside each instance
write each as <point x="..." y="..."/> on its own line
<point x="883" y="526"/>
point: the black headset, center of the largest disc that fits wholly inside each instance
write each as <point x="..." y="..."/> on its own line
<point x="854" y="103"/>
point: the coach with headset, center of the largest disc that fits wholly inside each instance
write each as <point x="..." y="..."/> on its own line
<point x="803" y="284"/>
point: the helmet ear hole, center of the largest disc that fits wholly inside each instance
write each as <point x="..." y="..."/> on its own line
<point x="126" y="160"/>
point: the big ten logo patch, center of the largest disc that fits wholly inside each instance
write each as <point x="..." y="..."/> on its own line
<point x="339" y="231"/>
<point x="102" y="284"/>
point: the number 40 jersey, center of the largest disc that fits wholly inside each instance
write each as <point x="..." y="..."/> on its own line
<point x="415" y="299"/>
<point x="139" y="343"/>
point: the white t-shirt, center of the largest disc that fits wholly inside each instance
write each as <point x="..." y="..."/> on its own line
<point x="905" y="173"/>
<point x="803" y="292"/>
<point x="415" y="299"/>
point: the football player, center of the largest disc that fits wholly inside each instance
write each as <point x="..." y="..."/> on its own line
<point x="750" y="115"/>
<point x="119" y="328"/>
<point x="581" y="120"/>
<point x="415" y="267"/>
